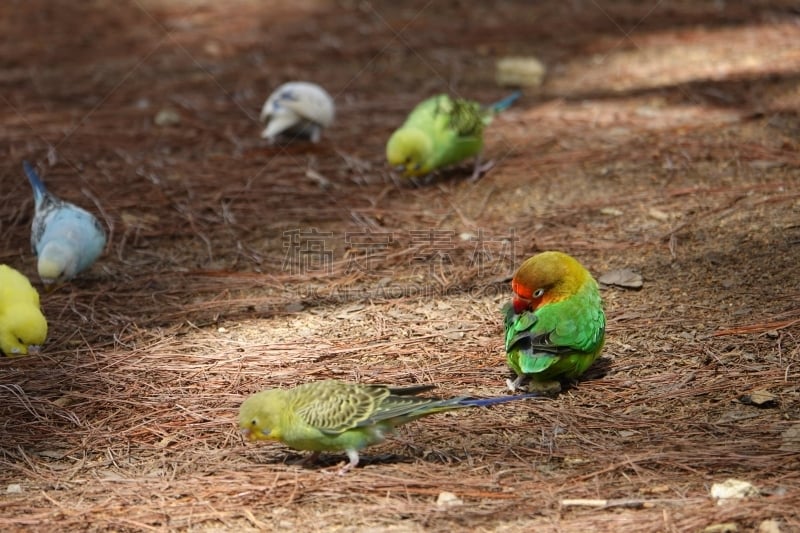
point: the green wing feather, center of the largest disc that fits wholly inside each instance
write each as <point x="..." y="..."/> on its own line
<point x="559" y="340"/>
<point x="333" y="407"/>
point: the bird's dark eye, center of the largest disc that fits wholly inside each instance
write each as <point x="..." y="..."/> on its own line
<point x="20" y="341"/>
<point x="538" y="293"/>
<point x="408" y="160"/>
<point x="253" y="422"/>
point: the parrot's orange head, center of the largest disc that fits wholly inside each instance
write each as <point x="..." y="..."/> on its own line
<point x="546" y="278"/>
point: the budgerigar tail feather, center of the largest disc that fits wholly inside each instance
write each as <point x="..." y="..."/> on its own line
<point x="33" y="177"/>
<point x="485" y="402"/>
<point x="410" y="389"/>
<point x="505" y="103"/>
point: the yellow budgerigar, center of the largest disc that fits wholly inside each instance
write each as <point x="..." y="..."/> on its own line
<point x="23" y="327"/>
<point x="338" y="416"/>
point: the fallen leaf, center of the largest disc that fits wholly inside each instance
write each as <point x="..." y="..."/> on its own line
<point x="656" y="489"/>
<point x="760" y="398"/>
<point x="658" y="214"/>
<point x="790" y="439"/>
<point x="321" y="181"/>
<point x="63" y="401"/>
<point x="623" y="277"/>
<point x="454" y="335"/>
<point x="765" y="164"/>
<point x="52" y="454"/>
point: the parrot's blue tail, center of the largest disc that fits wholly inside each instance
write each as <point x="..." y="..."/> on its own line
<point x="505" y="103"/>
<point x="36" y="182"/>
<point x="485" y="402"/>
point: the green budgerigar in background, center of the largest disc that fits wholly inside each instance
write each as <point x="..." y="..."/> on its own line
<point x="335" y="416"/>
<point x="442" y="131"/>
<point x="555" y="324"/>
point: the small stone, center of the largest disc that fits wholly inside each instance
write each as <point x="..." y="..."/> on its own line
<point x="167" y="117"/>
<point x="222" y="330"/>
<point x="294" y="307"/>
<point x="14" y="488"/>
<point x="448" y="499"/>
<point x="520" y="71"/>
<point x="611" y="212"/>
<point x="212" y="48"/>
<point x="725" y="527"/>
<point x="732" y="489"/>
<point x="769" y="526"/>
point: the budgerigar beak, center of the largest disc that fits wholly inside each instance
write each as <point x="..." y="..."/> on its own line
<point x="254" y="434"/>
<point x="50" y="286"/>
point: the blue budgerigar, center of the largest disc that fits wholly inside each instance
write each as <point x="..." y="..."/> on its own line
<point x="66" y="238"/>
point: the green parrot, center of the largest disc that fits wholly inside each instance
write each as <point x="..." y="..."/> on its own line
<point x="337" y="416"/>
<point x="555" y="324"/>
<point x="442" y="131"/>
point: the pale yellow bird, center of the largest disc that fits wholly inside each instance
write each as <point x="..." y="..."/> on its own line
<point x="23" y="327"/>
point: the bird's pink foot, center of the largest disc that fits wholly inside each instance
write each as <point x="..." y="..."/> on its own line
<point x="481" y="169"/>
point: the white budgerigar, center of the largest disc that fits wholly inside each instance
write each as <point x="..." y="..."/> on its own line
<point x="66" y="238"/>
<point x="297" y="109"/>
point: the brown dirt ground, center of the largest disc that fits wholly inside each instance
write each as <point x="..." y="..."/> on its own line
<point x="665" y="140"/>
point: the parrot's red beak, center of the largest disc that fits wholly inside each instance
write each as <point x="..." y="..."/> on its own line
<point x="520" y="304"/>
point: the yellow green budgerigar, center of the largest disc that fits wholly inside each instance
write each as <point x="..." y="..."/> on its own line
<point x="441" y="131"/>
<point x="337" y="416"/>
<point x="555" y="324"/>
<point x="23" y="327"/>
